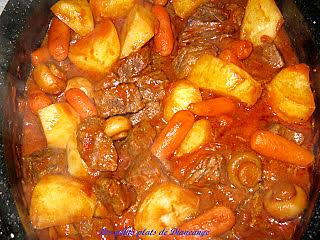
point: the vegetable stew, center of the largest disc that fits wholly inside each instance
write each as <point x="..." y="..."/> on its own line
<point x="167" y="120"/>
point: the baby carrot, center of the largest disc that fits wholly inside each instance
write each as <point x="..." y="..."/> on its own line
<point x="40" y="55"/>
<point x="212" y="107"/>
<point x="163" y="39"/>
<point x="277" y="147"/>
<point x="241" y="48"/>
<point x="58" y="39"/>
<point x="172" y="135"/>
<point x="215" y="221"/>
<point x="38" y="100"/>
<point x="228" y="56"/>
<point x="81" y="102"/>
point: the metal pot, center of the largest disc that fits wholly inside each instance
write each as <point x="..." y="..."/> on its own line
<point x="23" y="25"/>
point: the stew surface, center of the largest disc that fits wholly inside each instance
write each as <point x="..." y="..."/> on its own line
<point x="166" y="120"/>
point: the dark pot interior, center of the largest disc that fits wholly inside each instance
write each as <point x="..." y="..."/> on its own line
<point x="23" y="24"/>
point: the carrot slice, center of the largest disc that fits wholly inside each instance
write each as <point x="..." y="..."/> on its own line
<point x="215" y="222"/>
<point x="40" y="55"/>
<point x="277" y="147"/>
<point x="172" y="135"/>
<point x="58" y="39"/>
<point x="163" y="40"/>
<point x="212" y="107"/>
<point x="81" y="102"/>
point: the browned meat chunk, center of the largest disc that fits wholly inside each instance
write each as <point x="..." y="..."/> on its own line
<point x="112" y="193"/>
<point x="132" y="65"/>
<point x="104" y="155"/>
<point x="122" y="99"/>
<point x="271" y="55"/>
<point x="208" y="24"/>
<point x="108" y="81"/>
<point x="289" y="134"/>
<point x="95" y="147"/>
<point x="207" y="171"/>
<point x="144" y="172"/>
<point x="187" y="56"/>
<point x="47" y="161"/>
<point x="140" y="139"/>
<point x="205" y="28"/>
<point x="152" y="85"/>
<point x="151" y="110"/>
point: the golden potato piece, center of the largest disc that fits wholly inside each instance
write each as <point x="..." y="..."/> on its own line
<point x="199" y="135"/>
<point x="262" y="18"/>
<point x="59" y="200"/>
<point x="225" y="79"/>
<point x="184" y="8"/>
<point x="59" y="121"/>
<point x="97" y="51"/>
<point x="137" y="30"/>
<point x="82" y="83"/>
<point x="168" y="205"/>
<point x="181" y="95"/>
<point x="76" y="166"/>
<point x="76" y="14"/>
<point x="290" y="95"/>
<point x="111" y="8"/>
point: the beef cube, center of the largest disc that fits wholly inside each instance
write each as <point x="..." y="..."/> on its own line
<point x="151" y="110"/>
<point x="207" y="170"/>
<point x="187" y="56"/>
<point x="104" y="155"/>
<point x="152" y="85"/>
<point x="95" y="147"/>
<point x="144" y="170"/>
<point x="144" y="173"/>
<point x="132" y="65"/>
<point x="41" y="163"/>
<point x="272" y="56"/>
<point x="122" y="99"/>
<point x="108" y="81"/>
<point x="287" y="133"/>
<point x="113" y="193"/>
<point x="140" y="139"/>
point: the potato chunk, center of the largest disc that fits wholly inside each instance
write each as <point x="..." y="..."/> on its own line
<point x="199" y="135"/>
<point x="168" y="205"/>
<point x="225" y="79"/>
<point x="184" y="8"/>
<point x="76" y="14"/>
<point x="137" y="30"/>
<point x="98" y="50"/>
<point x="262" y="18"/>
<point x="59" y="121"/>
<point x="290" y="95"/>
<point x="111" y="8"/>
<point x="180" y="96"/>
<point x="59" y="200"/>
<point x="76" y="166"/>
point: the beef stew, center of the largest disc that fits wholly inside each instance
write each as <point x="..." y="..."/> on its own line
<point x="210" y="147"/>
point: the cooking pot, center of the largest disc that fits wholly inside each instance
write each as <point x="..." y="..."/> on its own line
<point x="23" y="25"/>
